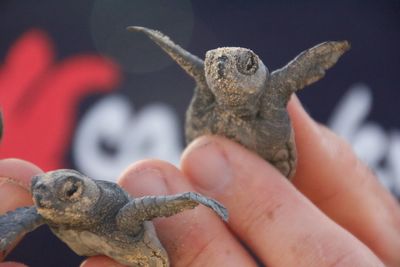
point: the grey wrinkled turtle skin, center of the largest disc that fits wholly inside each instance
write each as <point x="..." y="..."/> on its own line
<point x="97" y="217"/>
<point x="237" y="97"/>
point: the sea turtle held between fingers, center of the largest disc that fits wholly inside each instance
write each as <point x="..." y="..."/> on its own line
<point x="238" y="98"/>
<point x="97" y="217"/>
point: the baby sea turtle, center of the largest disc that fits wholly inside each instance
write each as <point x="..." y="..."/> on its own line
<point x="97" y="217"/>
<point x="238" y="98"/>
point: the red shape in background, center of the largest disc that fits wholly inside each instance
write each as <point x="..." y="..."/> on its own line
<point x="39" y="98"/>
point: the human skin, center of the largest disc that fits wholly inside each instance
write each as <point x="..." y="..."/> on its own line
<point x="334" y="213"/>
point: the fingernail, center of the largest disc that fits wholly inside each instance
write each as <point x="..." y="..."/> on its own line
<point x="209" y="168"/>
<point x="13" y="195"/>
<point x="148" y="181"/>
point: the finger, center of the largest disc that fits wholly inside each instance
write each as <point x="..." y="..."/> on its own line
<point x="12" y="264"/>
<point x="192" y="238"/>
<point x="19" y="171"/>
<point x="277" y="222"/>
<point x="346" y="190"/>
<point x="99" y="261"/>
<point x="15" y="178"/>
<point x="14" y="184"/>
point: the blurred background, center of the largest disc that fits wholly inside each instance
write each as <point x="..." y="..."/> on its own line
<point x="79" y="91"/>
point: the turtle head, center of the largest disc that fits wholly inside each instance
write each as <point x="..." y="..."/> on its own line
<point x="65" y="197"/>
<point x="235" y="75"/>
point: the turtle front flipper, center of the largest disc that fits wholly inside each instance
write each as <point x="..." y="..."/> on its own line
<point x="307" y="68"/>
<point x="133" y="214"/>
<point x="15" y="224"/>
<point x="193" y="65"/>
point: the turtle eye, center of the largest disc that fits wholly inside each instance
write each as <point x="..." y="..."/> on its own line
<point x="71" y="189"/>
<point x="247" y="63"/>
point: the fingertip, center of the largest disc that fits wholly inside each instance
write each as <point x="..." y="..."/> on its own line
<point x="12" y="264"/>
<point x="212" y="163"/>
<point x="206" y="163"/>
<point x="147" y="177"/>
<point x="15" y="177"/>
<point x="18" y="170"/>
<point x="294" y="105"/>
<point x="307" y="130"/>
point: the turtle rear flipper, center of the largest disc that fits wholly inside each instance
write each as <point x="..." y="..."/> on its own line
<point x="15" y="224"/>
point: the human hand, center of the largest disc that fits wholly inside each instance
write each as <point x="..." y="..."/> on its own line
<point x="335" y="213"/>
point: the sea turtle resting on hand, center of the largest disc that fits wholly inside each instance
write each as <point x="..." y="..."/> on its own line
<point x="238" y="98"/>
<point x="97" y="217"/>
